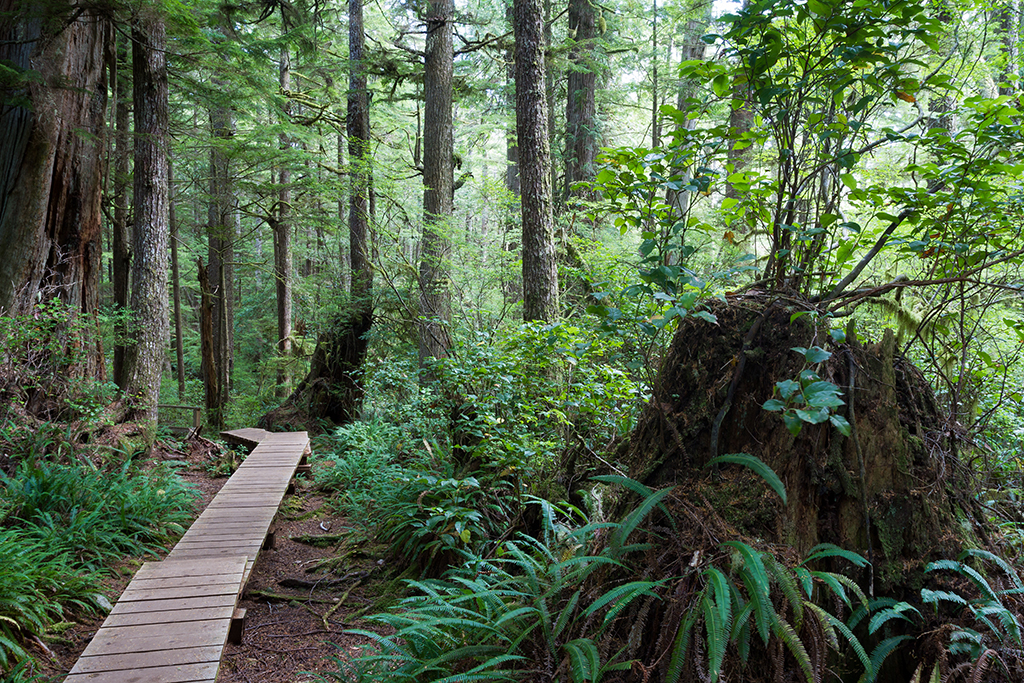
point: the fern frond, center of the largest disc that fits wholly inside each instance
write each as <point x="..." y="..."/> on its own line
<point x="996" y="560"/>
<point x="935" y="597"/>
<point x="838" y="625"/>
<point x="757" y="465"/>
<point x="584" y="660"/>
<point x="964" y="570"/>
<point x="620" y="597"/>
<point x="633" y="519"/>
<point x="823" y="550"/>
<point x="897" y="611"/>
<point x="680" y="647"/>
<point x="878" y="656"/>
<point x="741" y="629"/>
<point x="567" y="611"/>
<point x="717" y="608"/>
<point x="784" y="632"/>
<point x="755" y="578"/>
<point x="790" y="589"/>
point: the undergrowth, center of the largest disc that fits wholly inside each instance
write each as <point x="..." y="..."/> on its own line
<point x="60" y="526"/>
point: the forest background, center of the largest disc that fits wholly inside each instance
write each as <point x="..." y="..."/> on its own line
<point x="486" y="269"/>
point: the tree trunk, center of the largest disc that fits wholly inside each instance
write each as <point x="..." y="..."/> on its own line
<point x="211" y="378"/>
<point x="438" y="183"/>
<point x="144" y="360"/>
<point x="220" y="256"/>
<point x="121" y="259"/>
<point x="540" y="273"/>
<point x="511" y="282"/>
<point x="179" y="334"/>
<point x="655" y="95"/>
<point x="51" y="158"/>
<point x="333" y="388"/>
<point x="282" y="233"/>
<point x="893" y="491"/>
<point x="581" y="126"/>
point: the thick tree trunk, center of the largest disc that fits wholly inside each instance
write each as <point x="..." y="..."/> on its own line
<point x="144" y="360"/>
<point x="438" y="183"/>
<point x="358" y="130"/>
<point x="540" y="272"/>
<point x="51" y="158"/>
<point x="883" y="492"/>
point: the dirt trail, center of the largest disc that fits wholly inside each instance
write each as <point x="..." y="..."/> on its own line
<point x="286" y="638"/>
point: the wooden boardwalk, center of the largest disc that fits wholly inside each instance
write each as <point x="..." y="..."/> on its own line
<point x="172" y="621"/>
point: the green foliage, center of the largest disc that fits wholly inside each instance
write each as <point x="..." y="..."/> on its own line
<point x="996" y="624"/>
<point x="61" y="524"/>
<point x="43" y="353"/>
<point x="760" y="588"/>
<point x="808" y="399"/>
<point x="492" y="618"/>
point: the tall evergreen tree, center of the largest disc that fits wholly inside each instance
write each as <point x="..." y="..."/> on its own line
<point x="438" y="182"/>
<point x="144" y="360"/>
<point x="540" y="272"/>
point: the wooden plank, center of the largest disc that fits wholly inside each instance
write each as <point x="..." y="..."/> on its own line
<point x="157" y="570"/>
<point x="155" y="637"/>
<point x="135" y="593"/>
<point x="187" y="673"/>
<point x="179" y="657"/>
<point x="242" y="546"/>
<point x="183" y="581"/>
<point x="143" y="618"/>
<point x="248" y="437"/>
<point x="198" y="553"/>
<point x="225" y="531"/>
<point x="173" y="604"/>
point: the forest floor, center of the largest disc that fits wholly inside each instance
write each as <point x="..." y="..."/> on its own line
<point x="295" y="627"/>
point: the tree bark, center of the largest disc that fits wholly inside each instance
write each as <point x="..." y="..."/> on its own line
<point x="211" y="379"/>
<point x="540" y="273"/>
<point x="581" y="126"/>
<point x="220" y="255"/>
<point x="282" y="234"/>
<point x="121" y="260"/>
<point x="144" y="360"/>
<point x="511" y="282"/>
<point x="358" y="129"/>
<point x="179" y="335"/>
<point x="438" y="182"/>
<point x="51" y="158"/>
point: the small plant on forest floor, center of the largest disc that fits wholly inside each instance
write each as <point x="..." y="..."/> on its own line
<point x="993" y="640"/>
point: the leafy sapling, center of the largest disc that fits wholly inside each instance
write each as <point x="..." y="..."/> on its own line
<point x="808" y="398"/>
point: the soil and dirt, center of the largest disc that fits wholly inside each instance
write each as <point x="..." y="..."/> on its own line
<point x="295" y="625"/>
